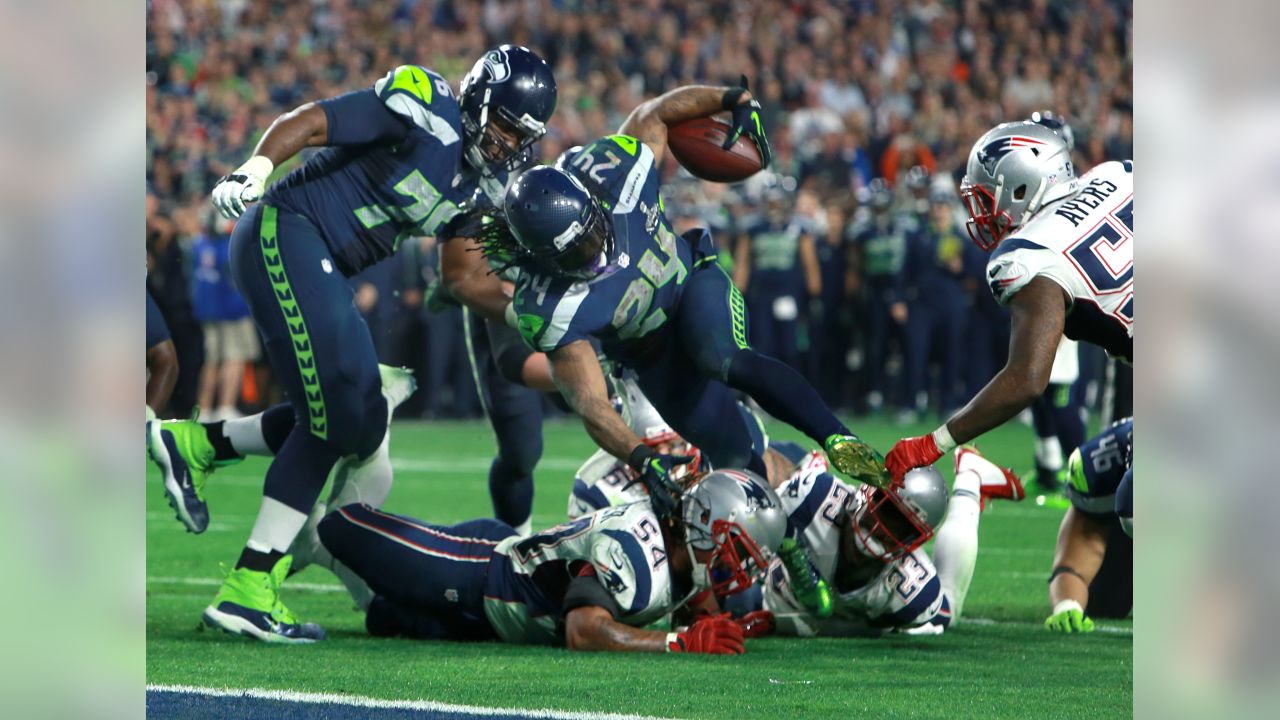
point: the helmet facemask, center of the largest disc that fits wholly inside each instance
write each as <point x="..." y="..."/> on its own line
<point x="884" y="526"/>
<point x="489" y="137"/>
<point x="736" y="562"/>
<point x="986" y="226"/>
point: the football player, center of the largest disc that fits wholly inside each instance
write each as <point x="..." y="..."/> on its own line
<point x="162" y="360"/>
<point x="859" y="568"/>
<point x="1062" y="262"/>
<point x="599" y="260"/>
<point x="1100" y="486"/>
<point x="592" y="584"/>
<point x="399" y="159"/>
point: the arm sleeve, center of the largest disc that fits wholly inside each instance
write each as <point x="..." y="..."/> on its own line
<point x="360" y="117"/>
<point x="585" y="590"/>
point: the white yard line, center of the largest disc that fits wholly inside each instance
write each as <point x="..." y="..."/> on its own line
<point x="379" y="703"/>
<point x="213" y="582"/>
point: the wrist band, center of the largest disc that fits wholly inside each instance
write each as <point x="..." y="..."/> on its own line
<point x="1067" y="605"/>
<point x="673" y="640"/>
<point x="259" y="166"/>
<point x="1066" y="570"/>
<point x="942" y="438"/>
<point x="731" y="97"/>
<point x="640" y="455"/>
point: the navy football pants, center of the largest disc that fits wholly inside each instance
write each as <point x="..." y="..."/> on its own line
<point x="430" y="579"/>
<point x="318" y="344"/>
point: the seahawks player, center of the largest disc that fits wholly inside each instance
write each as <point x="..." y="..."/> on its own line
<point x="1100" y="486"/>
<point x="865" y="546"/>
<point x="1062" y="262"/>
<point x="599" y="260"/>
<point x="592" y="584"/>
<point x="399" y="160"/>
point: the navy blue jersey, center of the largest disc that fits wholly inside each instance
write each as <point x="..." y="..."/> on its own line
<point x="394" y="169"/>
<point x="1096" y="468"/>
<point x="627" y="305"/>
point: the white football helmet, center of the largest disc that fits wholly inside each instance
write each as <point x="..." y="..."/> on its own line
<point x="642" y="417"/>
<point x="737" y="516"/>
<point x="889" y="523"/>
<point x="1014" y="170"/>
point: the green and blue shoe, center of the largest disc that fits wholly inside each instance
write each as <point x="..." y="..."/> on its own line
<point x="249" y="604"/>
<point x="182" y="451"/>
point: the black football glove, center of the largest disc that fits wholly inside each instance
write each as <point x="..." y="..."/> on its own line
<point x="654" y="472"/>
<point x="746" y="119"/>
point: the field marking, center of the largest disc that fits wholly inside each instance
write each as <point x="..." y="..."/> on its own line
<point x="213" y="582"/>
<point x="413" y="465"/>
<point x="381" y="704"/>
<point x="1112" y="629"/>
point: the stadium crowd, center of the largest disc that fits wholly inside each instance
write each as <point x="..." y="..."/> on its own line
<point x="851" y="252"/>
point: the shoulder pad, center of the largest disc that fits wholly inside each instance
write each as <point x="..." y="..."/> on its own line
<point x="422" y="97"/>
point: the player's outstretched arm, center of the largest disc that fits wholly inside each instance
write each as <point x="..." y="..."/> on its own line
<point x="648" y="123"/>
<point x="577" y="374"/>
<point x="1082" y="543"/>
<point x="1039" y="313"/>
<point x="593" y="628"/>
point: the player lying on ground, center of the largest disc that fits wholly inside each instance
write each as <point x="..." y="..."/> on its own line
<point x="598" y="259"/>
<point x="1099" y="485"/>
<point x="592" y="584"/>
<point x="399" y="160"/>
<point x="1062" y="262"/>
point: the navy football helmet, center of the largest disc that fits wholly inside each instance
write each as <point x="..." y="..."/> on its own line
<point x="510" y="94"/>
<point x="561" y="229"/>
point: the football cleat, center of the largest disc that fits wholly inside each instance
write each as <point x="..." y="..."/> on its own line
<point x="857" y="459"/>
<point x="249" y="604"/>
<point x="181" y="449"/>
<point x="996" y="483"/>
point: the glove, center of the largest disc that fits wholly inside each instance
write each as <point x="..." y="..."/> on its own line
<point x="911" y="453"/>
<point x="1068" y="617"/>
<point x="712" y="635"/>
<point x="746" y="119"/>
<point x="654" y="471"/>
<point x="756" y="624"/>
<point x="243" y="186"/>
<point x="812" y="591"/>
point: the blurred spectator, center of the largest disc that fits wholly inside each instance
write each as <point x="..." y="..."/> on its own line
<point x="852" y="91"/>
<point x="230" y="338"/>
<point x="881" y="244"/>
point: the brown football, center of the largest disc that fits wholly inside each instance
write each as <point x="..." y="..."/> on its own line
<point x="697" y="144"/>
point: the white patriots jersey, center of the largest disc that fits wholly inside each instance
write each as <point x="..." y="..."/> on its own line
<point x="599" y="484"/>
<point x="625" y="546"/>
<point x="903" y="594"/>
<point x="1084" y="244"/>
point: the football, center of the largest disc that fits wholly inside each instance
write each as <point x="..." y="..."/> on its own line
<point x="698" y="145"/>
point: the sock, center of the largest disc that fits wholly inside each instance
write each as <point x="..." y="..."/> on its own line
<point x="511" y="493"/>
<point x="955" y="552"/>
<point x="367" y="482"/>
<point x="783" y="393"/>
<point x="260" y="434"/>
<point x="293" y="484"/>
<point x="223" y="448"/>
<point x="1049" y="454"/>
<point x="261" y="560"/>
<point x="525" y="529"/>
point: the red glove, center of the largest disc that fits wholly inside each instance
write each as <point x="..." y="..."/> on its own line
<point x="911" y="453"/>
<point x="713" y="635"/>
<point x="756" y="624"/>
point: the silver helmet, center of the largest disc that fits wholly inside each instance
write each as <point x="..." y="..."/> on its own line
<point x="1014" y="170"/>
<point x="736" y="516"/>
<point x="890" y="523"/>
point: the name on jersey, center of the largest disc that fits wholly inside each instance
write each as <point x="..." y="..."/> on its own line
<point x="1090" y="197"/>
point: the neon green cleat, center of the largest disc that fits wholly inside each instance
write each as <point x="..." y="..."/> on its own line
<point x="858" y="460"/>
<point x="249" y="604"/>
<point x="812" y="591"/>
<point x="182" y="451"/>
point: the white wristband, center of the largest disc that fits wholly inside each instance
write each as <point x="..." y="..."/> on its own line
<point x="258" y="166"/>
<point x="942" y="438"/>
<point x="672" y="639"/>
<point x="1067" y="605"/>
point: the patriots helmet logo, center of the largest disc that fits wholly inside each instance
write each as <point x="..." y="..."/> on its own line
<point x="754" y="492"/>
<point x="991" y="153"/>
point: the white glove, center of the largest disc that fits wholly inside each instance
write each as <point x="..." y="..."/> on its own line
<point x="245" y="185"/>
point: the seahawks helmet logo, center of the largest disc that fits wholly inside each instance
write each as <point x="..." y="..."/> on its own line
<point x="495" y="62"/>
<point x="991" y="153"/>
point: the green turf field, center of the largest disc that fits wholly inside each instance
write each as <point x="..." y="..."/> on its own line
<point x="998" y="663"/>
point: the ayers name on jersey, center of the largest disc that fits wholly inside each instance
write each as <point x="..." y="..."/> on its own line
<point x="528" y="576"/>
<point x="1085" y="244"/>
<point x="364" y="199"/>
<point x="903" y="594"/>
<point x="629" y="303"/>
